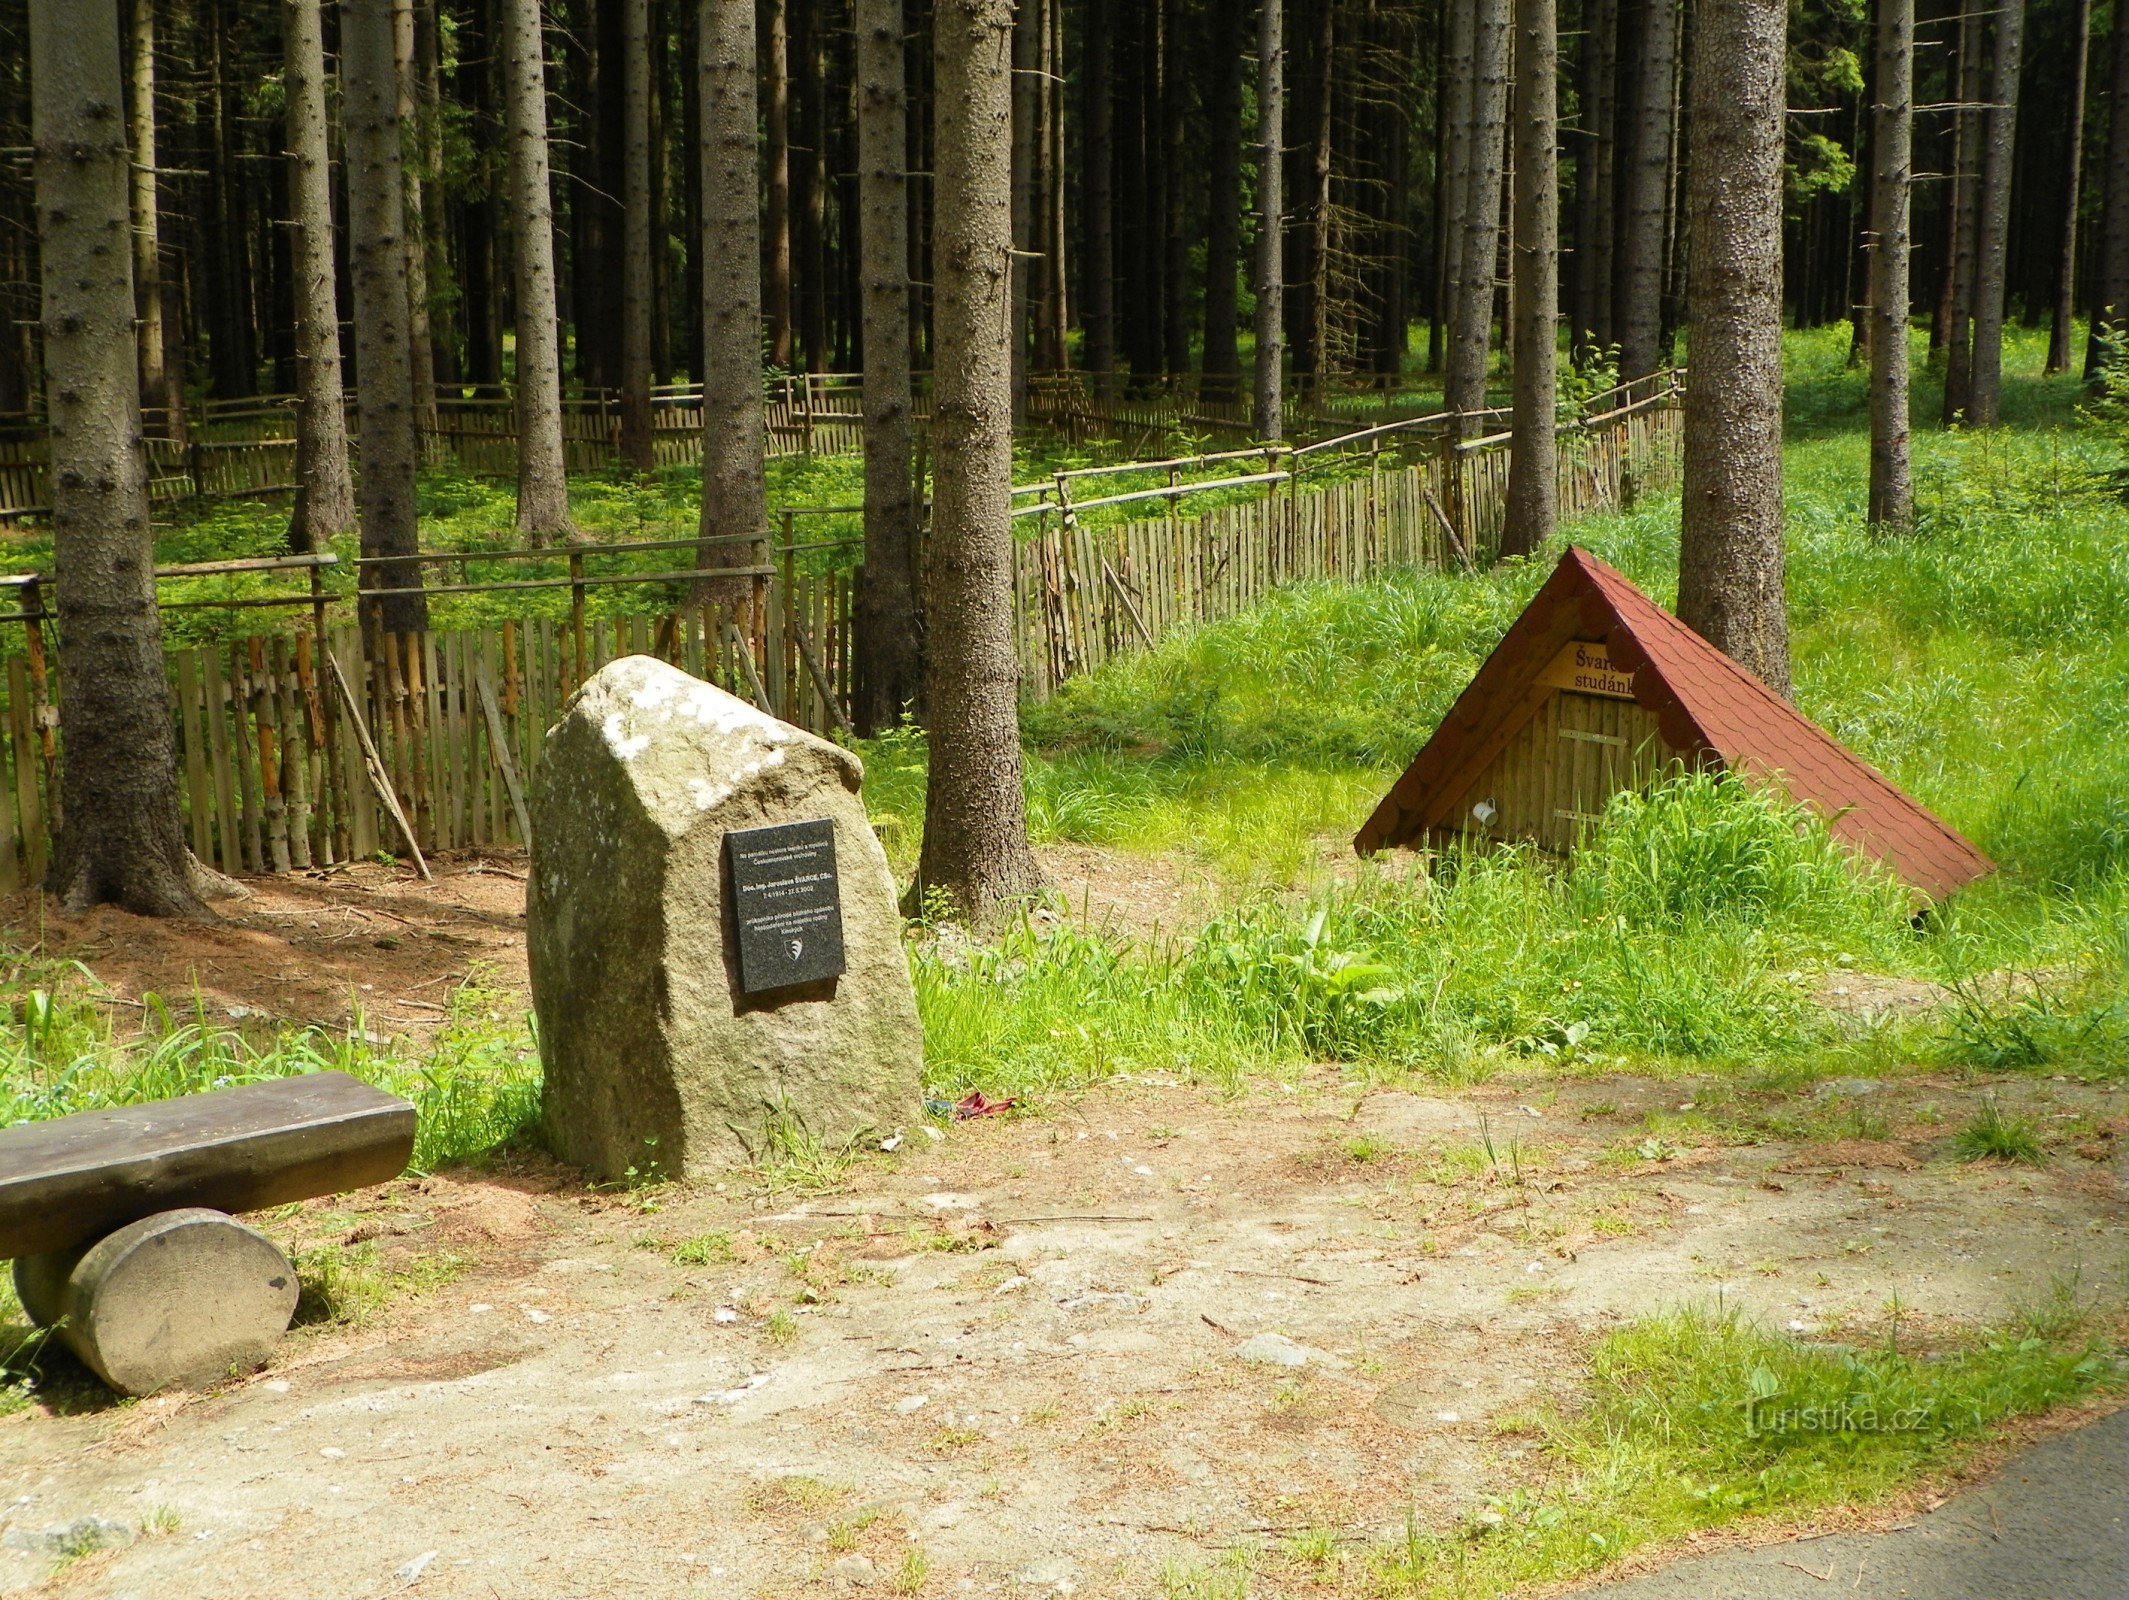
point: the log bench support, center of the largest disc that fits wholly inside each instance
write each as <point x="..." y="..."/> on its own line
<point x="118" y="1221"/>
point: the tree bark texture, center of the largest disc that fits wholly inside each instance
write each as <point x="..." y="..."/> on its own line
<point x="1222" y="358"/>
<point x="636" y="446"/>
<point x="1533" y="510"/>
<point x="776" y="118"/>
<point x="975" y="817"/>
<point x="1027" y="56"/>
<point x="325" y="487"/>
<point x="377" y="254"/>
<point x="415" y="200"/>
<point x="1731" y="587"/>
<point x="1456" y="96"/>
<point x="1471" y="334"/>
<point x="890" y="658"/>
<point x="542" y="476"/>
<point x="1269" y="403"/>
<point x="1594" y="183"/>
<point x="1176" y="193"/>
<point x="162" y="382"/>
<point x="733" y="432"/>
<point x="120" y="839"/>
<point x="1892" y="489"/>
<point x="2061" y="328"/>
<point x="1965" y="250"/>
<point x="1645" y="164"/>
<point x="2112" y="291"/>
<point x="1985" y="401"/>
<point x="1099" y="272"/>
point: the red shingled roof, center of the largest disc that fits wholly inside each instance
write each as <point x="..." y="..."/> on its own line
<point x="1710" y="710"/>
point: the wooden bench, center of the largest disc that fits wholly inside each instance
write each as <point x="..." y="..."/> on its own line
<point x="118" y="1220"/>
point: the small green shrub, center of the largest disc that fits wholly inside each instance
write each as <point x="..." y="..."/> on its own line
<point x="1992" y="1136"/>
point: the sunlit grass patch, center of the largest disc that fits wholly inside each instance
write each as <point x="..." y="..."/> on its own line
<point x="63" y="1049"/>
<point x="1700" y="1418"/>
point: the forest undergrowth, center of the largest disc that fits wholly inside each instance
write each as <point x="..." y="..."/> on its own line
<point x="1983" y="663"/>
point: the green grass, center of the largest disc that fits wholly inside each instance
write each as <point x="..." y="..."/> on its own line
<point x="69" y="1047"/>
<point x="1983" y="663"/>
<point x="1701" y="1418"/>
<point x="1992" y="1136"/>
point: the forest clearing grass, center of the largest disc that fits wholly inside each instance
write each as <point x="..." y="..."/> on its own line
<point x="1983" y="662"/>
<point x="474" y="1088"/>
<point x="1700" y="1417"/>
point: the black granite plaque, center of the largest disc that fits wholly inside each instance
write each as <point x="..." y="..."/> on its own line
<point x="787" y="903"/>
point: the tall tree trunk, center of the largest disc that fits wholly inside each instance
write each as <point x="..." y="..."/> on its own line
<point x="1595" y="189"/>
<point x="1175" y="220"/>
<point x="1312" y="341"/>
<point x="777" y="118"/>
<point x="1269" y="404"/>
<point x="162" y="383"/>
<point x="1471" y="334"/>
<point x="1985" y="402"/>
<point x="414" y="208"/>
<point x="542" y="475"/>
<point x="1645" y="161"/>
<point x="1027" y="53"/>
<point x="445" y="299"/>
<point x="1892" y="489"/>
<point x="1533" y="510"/>
<point x="325" y="490"/>
<point x="636" y="446"/>
<point x="809" y="223"/>
<point x="1965" y="249"/>
<point x="2111" y="301"/>
<point x="890" y="657"/>
<point x="733" y="443"/>
<point x="1222" y="360"/>
<point x="1457" y="93"/>
<point x="229" y="311"/>
<point x="1730" y="557"/>
<point x="1099" y="162"/>
<point x="378" y="256"/>
<point x="2062" y="329"/>
<point x="975" y="814"/>
<point x="1056" y="311"/>
<point x="121" y="839"/>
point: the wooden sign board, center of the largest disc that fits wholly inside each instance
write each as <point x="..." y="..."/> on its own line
<point x="1585" y="667"/>
<point x="789" y="904"/>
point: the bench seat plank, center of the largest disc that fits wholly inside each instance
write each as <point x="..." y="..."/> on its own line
<point x="74" y="1179"/>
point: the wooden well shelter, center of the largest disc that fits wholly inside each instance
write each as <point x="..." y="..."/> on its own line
<point x="1596" y="689"/>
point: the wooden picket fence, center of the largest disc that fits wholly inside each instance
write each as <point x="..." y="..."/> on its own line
<point x="1085" y="595"/>
<point x="282" y="769"/>
<point x="237" y="449"/>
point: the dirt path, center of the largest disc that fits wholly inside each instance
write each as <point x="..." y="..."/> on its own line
<point x="1016" y="1357"/>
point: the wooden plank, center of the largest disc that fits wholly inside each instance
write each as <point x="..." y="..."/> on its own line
<point x="188" y="708"/>
<point x="378" y="775"/>
<point x="266" y="720"/>
<point x="29" y="801"/>
<point x="488" y="659"/>
<point x="225" y="800"/>
<point x="12" y="876"/>
<point x="295" y="756"/>
<point x="499" y="742"/>
<point x="74" y="1179"/>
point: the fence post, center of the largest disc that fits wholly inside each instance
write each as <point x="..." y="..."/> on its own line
<point x="576" y="617"/>
<point x="43" y="713"/>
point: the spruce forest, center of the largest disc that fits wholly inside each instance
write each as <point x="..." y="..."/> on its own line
<point x="1447" y="676"/>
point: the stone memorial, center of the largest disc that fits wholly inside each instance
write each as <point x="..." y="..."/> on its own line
<point x="712" y="930"/>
